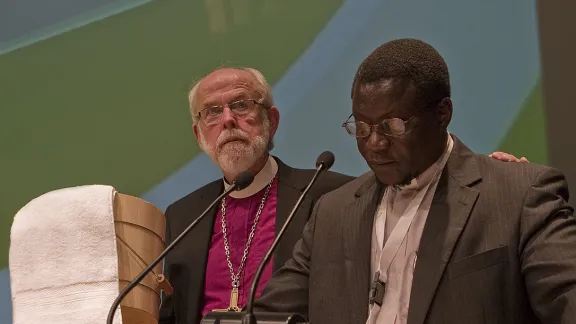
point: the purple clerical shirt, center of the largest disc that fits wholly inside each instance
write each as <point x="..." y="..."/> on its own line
<point x="240" y="214"/>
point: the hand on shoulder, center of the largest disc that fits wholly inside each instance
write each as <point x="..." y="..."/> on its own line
<point x="507" y="157"/>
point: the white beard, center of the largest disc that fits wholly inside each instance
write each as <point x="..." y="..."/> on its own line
<point x="237" y="156"/>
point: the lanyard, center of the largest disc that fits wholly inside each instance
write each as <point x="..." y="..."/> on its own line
<point x="390" y="249"/>
<point x="400" y="231"/>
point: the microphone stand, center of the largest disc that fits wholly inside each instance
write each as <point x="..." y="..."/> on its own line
<point x="249" y="317"/>
<point x="170" y="247"/>
<point x="324" y="162"/>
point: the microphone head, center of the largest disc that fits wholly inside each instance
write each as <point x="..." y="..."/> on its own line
<point x="326" y="159"/>
<point x="243" y="180"/>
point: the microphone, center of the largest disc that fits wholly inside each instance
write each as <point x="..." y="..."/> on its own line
<point x="241" y="181"/>
<point x="325" y="159"/>
<point x="324" y="162"/>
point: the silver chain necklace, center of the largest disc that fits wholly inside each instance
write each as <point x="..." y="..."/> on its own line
<point x="236" y="277"/>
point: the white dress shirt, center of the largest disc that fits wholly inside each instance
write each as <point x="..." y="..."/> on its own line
<point x="413" y="203"/>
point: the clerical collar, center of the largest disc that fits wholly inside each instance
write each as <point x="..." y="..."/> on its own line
<point x="261" y="180"/>
<point x="423" y="179"/>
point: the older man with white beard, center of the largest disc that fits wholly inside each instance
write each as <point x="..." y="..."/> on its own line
<point x="234" y="121"/>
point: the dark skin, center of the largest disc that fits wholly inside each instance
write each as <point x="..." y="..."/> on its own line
<point x="396" y="160"/>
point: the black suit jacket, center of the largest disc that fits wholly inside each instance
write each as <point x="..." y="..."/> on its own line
<point x="185" y="266"/>
<point x="498" y="246"/>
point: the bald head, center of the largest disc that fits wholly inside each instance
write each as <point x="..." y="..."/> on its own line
<point x="246" y="82"/>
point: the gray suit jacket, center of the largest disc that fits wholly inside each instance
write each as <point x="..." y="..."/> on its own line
<point x="499" y="246"/>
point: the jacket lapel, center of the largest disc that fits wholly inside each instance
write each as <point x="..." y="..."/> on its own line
<point x="357" y="236"/>
<point x="199" y="242"/>
<point x="290" y="186"/>
<point x="451" y="206"/>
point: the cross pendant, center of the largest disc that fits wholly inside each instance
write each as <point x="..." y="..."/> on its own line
<point x="233" y="302"/>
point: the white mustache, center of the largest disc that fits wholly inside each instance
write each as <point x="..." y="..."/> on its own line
<point x="232" y="135"/>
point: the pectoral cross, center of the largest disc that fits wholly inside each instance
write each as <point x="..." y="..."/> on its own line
<point x="233" y="302"/>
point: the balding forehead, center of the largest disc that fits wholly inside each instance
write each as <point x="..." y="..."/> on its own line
<point x="223" y="78"/>
<point x="228" y="75"/>
<point x="224" y="86"/>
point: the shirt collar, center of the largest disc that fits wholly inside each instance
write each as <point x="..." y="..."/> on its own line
<point x="261" y="180"/>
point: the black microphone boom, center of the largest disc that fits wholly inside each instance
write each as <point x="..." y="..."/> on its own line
<point x="242" y="180"/>
<point x="324" y="162"/>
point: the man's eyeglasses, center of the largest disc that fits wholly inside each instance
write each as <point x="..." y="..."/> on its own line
<point x="240" y="108"/>
<point x="390" y="127"/>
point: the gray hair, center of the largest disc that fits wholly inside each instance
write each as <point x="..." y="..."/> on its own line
<point x="262" y="88"/>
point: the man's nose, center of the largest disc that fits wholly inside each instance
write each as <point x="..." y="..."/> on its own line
<point x="377" y="141"/>
<point x="228" y="119"/>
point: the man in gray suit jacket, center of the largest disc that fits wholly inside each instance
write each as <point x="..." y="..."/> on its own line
<point x="434" y="233"/>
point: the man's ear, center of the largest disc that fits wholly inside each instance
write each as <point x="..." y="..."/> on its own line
<point x="274" y="118"/>
<point x="444" y="112"/>
<point x="197" y="135"/>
